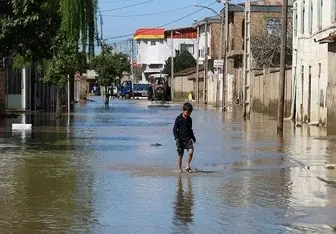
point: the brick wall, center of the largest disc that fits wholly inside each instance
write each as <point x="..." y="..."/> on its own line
<point x="236" y="39"/>
<point x="258" y="27"/>
<point x="215" y="40"/>
<point x="2" y="92"/>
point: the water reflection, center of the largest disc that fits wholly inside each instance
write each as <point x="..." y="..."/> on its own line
<point x="183" y="205"/>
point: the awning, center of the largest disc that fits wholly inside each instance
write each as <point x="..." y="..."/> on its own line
<point x="328" y="39"/>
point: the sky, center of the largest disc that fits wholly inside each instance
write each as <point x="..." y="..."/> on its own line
<point x="123" y="17"/>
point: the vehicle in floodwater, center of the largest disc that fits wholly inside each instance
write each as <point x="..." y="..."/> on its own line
<point x="159" y="89"/>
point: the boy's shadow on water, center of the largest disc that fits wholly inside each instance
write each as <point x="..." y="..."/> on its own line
<point x="183" y="205"/>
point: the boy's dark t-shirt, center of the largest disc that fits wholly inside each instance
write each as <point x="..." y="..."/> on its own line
<point x="183" y="129"/>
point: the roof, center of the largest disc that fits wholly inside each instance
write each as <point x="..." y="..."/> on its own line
<point x="328" y="39"/>
<point x="270" y="3"/>
<point x="210" y="19"/>
<point x="189" y="71"/>
<point x="149" y="33"/>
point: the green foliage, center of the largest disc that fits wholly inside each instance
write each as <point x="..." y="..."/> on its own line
<point x="27" y="28"/>
<point x="63" y="63"/>
<point x="181" y="61"/>
<point x="79" y="21"/>
<point x="110" y="65"/>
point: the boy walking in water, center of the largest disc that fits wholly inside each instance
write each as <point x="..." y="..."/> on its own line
<point x="184" y="136"/>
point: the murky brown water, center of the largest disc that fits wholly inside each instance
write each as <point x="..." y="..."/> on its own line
<point x="102" y="174"/>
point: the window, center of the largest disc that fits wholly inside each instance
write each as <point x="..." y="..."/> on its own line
<point x="303" y="18"/>
<point x="310" y="17"/>
<point x="153" y="43"/>
<point x="273" y="26"/>
<point x="333" y="10"/>
<point x="319" y="13"/>
<point x="295" y="22"/>
<point x="187" y="47"/>
<point x="155" y="66"/>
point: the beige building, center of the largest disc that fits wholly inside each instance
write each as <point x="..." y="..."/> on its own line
<point x="314" y="58"/>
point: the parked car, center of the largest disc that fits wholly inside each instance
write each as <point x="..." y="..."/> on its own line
<point x="140" y="90"/>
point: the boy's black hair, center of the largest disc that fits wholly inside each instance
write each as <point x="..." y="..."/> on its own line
<point x="187" y="107"/>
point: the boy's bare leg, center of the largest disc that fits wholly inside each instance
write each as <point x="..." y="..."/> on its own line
<point x="190" y="158"/>
<point x="179" y="162"/>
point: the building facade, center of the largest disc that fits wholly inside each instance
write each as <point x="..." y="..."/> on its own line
<point x="208" y="37"/>
<point x="314" y="59"/>
<point x="155" y="46"/>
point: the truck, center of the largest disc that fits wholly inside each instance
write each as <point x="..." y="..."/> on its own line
<point x="159" y="89"/>
<point x="127" y="90"/>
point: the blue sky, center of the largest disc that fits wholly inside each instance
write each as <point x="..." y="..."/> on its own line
<point x="151" y="13"/>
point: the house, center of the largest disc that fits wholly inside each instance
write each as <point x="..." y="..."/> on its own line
<point x="265" y="19"/>
<point x="208" y="38"/>
<point x="155" y="46"/>
<point x="314" y="61"/>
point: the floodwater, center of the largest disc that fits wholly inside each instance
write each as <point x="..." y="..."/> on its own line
<point x="114" y="171"/>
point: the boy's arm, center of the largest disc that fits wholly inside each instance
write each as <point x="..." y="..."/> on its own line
<point x="175" y="130"/>
<point x="192" y="132"/>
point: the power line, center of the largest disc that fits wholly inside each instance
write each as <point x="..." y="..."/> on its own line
<point x="155" y="13"/>
<point x="119" y="1"/>
<point x="171" y="22"/>
<point x="148" y="14"/>
<point x="128" y="6"/>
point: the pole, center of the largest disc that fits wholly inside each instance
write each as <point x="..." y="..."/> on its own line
<point x="205" y="92"/>
<point x="69" y="95"/>
<point x="172" y="65"/>
<point x="220" y="57"/>
<point x="226" y="15"/>
<point x="282" y="68"/>
<point x="197" y="67"/>
<point x="132" y="69"/>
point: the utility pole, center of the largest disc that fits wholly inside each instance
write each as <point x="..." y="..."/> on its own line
<point x="132" y="69"/>
<point x="205" y="93"/>
<point x="172" y="64"/>
<point x="220" y="57"/>
<point x="226" y="15"/>
<point x="197" y="67"/>
<point x="282" y="77"/>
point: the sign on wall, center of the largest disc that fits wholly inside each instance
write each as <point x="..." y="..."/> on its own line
<point x="218" y="63"/>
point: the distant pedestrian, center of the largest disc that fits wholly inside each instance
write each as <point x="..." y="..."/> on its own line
<point x="184" y="136"/>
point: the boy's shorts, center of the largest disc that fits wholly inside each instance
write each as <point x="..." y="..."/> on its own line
<point x="185" y="145"/>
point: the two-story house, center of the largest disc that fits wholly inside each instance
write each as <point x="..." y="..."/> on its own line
<point x="155" y="46"/>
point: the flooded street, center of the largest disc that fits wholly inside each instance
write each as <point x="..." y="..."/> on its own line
<point x="114" y="171"/>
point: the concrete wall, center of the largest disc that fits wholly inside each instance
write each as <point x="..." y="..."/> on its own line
<point x="14" y="101"/>
<point x="2" y="92"/>
<point x="265" y="91"/>
<point x="183" y="86"/>
<point x="313" y="62"/>
<point x="331" y="89"/>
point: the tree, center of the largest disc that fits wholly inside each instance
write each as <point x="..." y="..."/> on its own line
<point x="62" y="66"/>
<point x="28" y="27"/>
<point x="181" y="61"/>
<point x="109" y="65"/>
<point x="265" y="44"/>
<point x="79" y="18"/>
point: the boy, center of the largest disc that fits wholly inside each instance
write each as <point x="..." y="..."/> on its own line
<point x="184" y="136"/>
